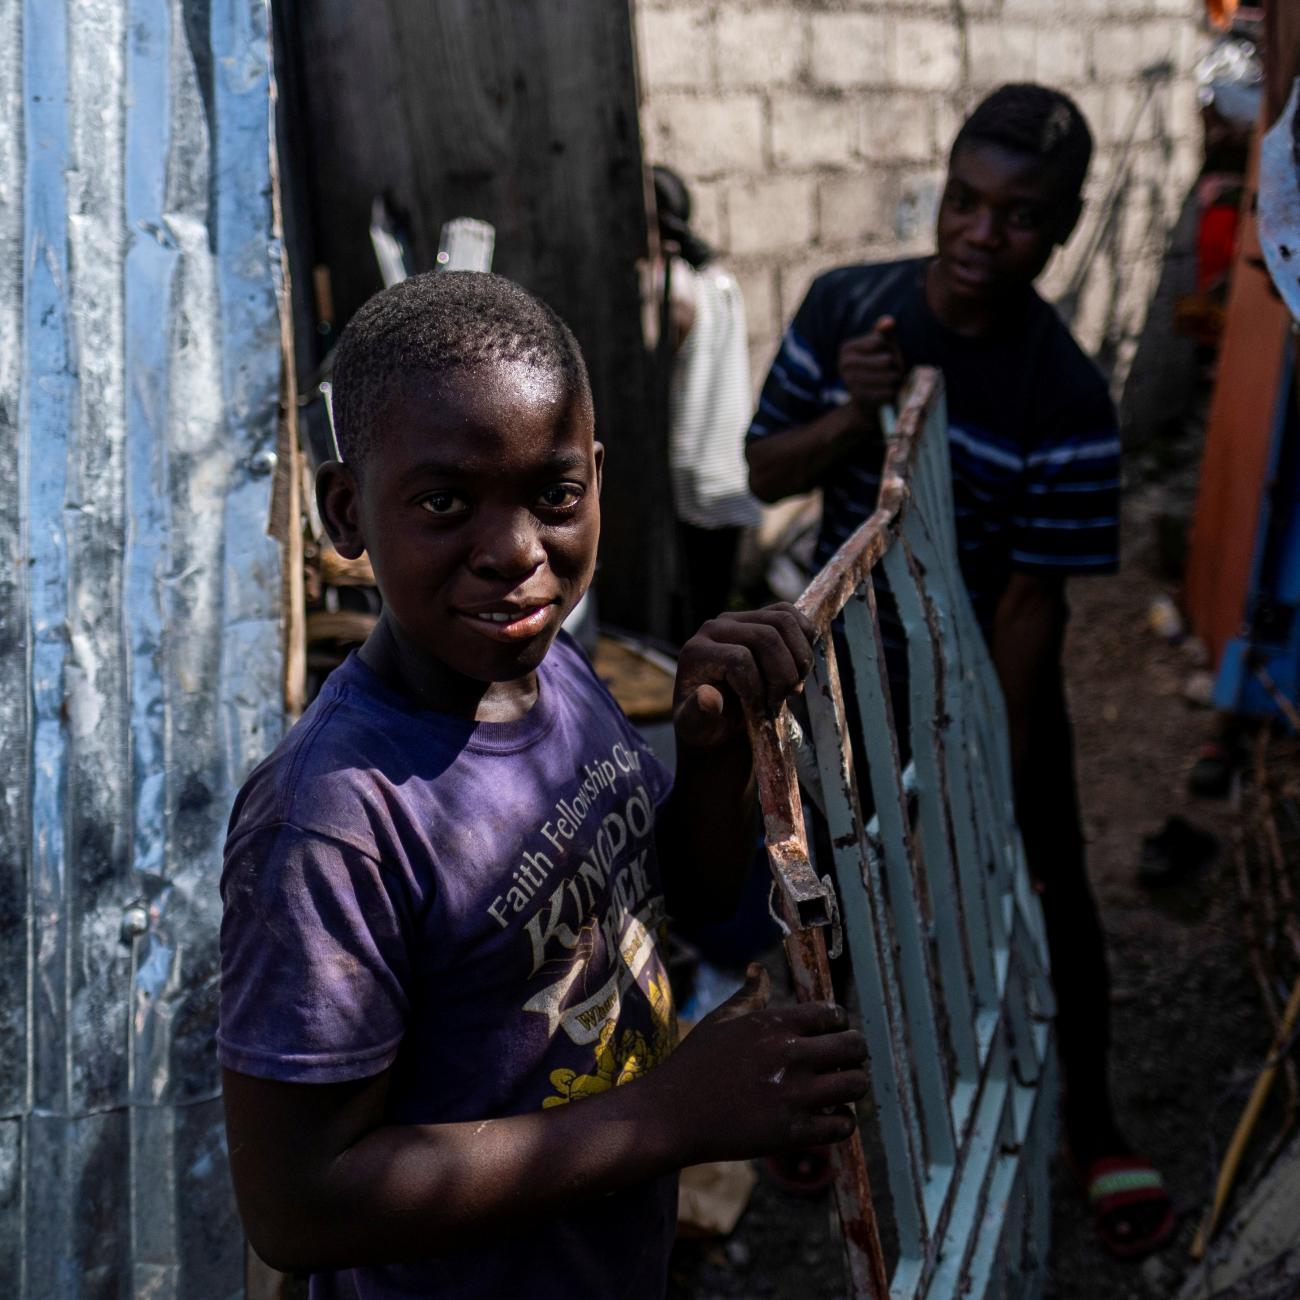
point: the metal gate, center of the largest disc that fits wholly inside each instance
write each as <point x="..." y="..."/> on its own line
<point x="946" y="937"/>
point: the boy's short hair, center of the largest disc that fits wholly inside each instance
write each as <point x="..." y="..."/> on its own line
<point x="432" y="326"/>
<point x="1035" y="120"/>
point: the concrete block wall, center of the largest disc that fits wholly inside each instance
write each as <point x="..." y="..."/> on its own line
<point x="815" y="132"/>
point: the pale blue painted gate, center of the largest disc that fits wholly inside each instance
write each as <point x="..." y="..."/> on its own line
<point x="946" y="936"/>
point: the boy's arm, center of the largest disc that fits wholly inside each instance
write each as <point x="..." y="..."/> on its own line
<point x="796" y="459"/>
<point x="706" y="829"/>
<point x="324" y="1183"/>
<point x="1028" y="632"/>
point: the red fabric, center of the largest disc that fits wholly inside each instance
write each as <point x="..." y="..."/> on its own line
<point x="1215" y="241"/>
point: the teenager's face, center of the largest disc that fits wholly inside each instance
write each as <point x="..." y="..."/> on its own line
<point x="480" y="510"/>
<point x="1000" y="217"/>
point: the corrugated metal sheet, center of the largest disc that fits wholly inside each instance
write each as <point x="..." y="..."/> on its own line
<point x="139" y="619"/>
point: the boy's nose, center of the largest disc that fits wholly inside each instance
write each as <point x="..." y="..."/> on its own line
<point x="508" y="546"/>
<point x="984" y="230"/>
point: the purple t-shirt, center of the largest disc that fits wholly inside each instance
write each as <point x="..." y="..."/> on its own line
<point x="475" y="905"/>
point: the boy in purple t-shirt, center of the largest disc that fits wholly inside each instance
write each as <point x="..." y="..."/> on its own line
<point x="443" y="890"/>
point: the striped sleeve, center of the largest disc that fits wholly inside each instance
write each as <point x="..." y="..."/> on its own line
<point x="1065" y="519"/>
<point x="793" y="391"/>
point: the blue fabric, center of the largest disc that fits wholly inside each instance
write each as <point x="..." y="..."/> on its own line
<point x="1033" y="438"/>
<point x="474" y="907"/>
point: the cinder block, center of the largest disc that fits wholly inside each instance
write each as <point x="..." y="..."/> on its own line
<point x="706" y="136"/>
<point x="808" y="130"/>
<point x="927" y="53"/>
<point x="1092" y="316"/>
<point x="757" y="280"/>
<point x="794" y="276"/>
<point x="849" y="49"/>
<point x="674" y="49"/>
<point x="771" y="213"/>
<point x="896" y="126"/>
<point x="1037" y="9"/>
<point x="1092" y="104"/>
<point x="919" y="190"/>
<point x="1133" y="113"/>
<point x="1000" y="51"/>
<point x="1139" y="225"/>
<point x="947" y="113"/>
<point x="763" y="48"/>
<point x="1116" y="54"/>
<point x="1120" y="51"/>
<point x="1192" y="44"/>
<point x="857" y="209"/>
<point x="762" y="352"/>
<point x="709" y="212"/>
<point x="1180" y="110"/>
<point x="1062" y="55"/>
<point x="1052" y="283"/>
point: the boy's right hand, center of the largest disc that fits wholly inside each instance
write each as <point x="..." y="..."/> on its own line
<point x="754" y="1080"/>
<point x="871" y="367"/>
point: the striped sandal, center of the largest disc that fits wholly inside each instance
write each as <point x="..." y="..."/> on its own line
<point x="1117" y="1187"/>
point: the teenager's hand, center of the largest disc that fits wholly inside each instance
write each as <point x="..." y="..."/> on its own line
<point x="753" y="1080"/>
<point x="754" y="659"/>
<point x="871" y="367"/>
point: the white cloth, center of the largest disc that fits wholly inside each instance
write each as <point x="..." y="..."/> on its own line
<point x="710" y="403"/>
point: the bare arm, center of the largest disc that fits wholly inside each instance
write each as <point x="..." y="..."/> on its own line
<point x="323" y="1182"/>
<point x="1028" y="633"/>
<point x="797" y="459"/>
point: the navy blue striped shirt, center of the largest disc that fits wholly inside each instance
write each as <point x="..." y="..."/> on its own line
<point x="1033" y="437"/>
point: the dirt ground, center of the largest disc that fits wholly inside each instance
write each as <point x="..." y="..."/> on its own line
<point x="1189" y="1029"/>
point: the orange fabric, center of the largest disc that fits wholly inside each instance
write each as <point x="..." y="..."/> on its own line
<point x="1220" y="12"/>
<point x="1237" y="440"/>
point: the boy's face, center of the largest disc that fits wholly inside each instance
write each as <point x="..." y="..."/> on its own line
<point x="479" y="506"/>
<point x="1001" y="215"/>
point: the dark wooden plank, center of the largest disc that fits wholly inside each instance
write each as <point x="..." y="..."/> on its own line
<point x="524" y="114"/>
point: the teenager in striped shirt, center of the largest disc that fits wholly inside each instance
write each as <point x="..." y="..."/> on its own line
<point x="1035" y="456"/>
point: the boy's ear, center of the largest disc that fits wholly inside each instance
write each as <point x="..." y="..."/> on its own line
<point x="338" y="501"/>
<point x="599" y="449"/>
<point x="1069" y="218"/>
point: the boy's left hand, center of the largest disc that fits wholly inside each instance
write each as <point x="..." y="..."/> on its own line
<point x="737" y="661"/>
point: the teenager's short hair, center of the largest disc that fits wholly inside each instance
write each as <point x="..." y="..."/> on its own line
<point x="1035" y="120"/>
<point x="432" y="326"/>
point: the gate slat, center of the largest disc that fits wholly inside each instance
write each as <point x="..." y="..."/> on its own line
<point x="928" y="730"/>
<point x="866" y="922"/>
<point x="970" y="854"/>
<point x="880" y="746"/>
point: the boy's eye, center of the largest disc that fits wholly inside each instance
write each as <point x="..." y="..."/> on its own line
<point x="444" y="503"/>
<point x="1025" y="218"/>
<point x="561" y="496"/>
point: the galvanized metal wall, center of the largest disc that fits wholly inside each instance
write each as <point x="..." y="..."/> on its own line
<point x="139" y="619"/>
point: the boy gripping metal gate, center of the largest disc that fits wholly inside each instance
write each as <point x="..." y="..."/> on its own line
<point x="931" y="890"/>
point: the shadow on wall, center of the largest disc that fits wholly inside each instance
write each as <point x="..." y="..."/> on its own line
<point x="1134" y="265"/>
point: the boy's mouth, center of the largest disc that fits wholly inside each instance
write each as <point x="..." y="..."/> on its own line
<point x="509" y="622"/>
<point x="972" y="272"/>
